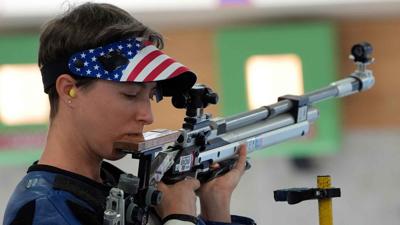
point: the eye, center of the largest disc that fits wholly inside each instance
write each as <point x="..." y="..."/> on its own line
<point x="129" y="96"/>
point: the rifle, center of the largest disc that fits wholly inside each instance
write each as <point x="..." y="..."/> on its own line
<point x="171" y="156"/>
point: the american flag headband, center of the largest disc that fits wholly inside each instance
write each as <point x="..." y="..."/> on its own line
<point x="130" y="60"/>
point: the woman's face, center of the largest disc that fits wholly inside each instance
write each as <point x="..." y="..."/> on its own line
<point x="108" y="110"/>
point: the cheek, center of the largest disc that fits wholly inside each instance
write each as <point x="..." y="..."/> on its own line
<point x="105" y="114"/>
<point x="101" y="123"/>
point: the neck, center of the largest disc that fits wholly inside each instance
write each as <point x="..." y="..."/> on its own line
<point x="65" y="151"/>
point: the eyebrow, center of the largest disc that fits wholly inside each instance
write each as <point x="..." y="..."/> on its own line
<point x="140" y="85"/>
<point x="148" y="84"/>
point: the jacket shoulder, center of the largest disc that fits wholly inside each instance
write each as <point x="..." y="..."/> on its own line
<point x="35" y="201"/>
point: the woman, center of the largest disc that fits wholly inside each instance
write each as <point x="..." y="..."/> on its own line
<point x="101" y="68"/>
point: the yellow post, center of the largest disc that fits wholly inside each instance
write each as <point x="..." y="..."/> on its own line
<point x="325" y="205"/>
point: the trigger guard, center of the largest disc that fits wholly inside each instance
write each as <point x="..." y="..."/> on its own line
<point x="225" y="166"/>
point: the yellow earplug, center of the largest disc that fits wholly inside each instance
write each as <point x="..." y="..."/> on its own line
<point x="72" y="92"/>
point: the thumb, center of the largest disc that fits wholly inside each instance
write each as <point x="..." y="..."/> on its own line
<point x="241" y="163"/>
<point x="161" y="186"/>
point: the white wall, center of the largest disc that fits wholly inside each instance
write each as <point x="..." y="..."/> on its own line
<point x="17" y="13"/>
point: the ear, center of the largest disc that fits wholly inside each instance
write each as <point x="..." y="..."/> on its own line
<point x="64" y="84"/>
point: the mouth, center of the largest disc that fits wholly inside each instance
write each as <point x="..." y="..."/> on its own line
<point x="134" y="133"/>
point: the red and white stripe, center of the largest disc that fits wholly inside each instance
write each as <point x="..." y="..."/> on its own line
<point x="151" y="64"/>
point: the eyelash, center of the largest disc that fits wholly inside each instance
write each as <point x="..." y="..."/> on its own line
<point x="129" y="96"/>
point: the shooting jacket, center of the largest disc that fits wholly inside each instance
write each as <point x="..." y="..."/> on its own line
<point x="49" y="195"/>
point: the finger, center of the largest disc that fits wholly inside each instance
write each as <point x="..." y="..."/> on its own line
<point x="242" y="149"/>
<point x="214" y="166"/>
<point x="241" y="163"/>
<point x="192" y="182"/>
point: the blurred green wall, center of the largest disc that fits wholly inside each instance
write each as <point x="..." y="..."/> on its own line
<point x="19" y="49"/>
<point x="315" y="43"/>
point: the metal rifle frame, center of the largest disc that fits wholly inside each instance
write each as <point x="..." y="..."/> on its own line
<point x="204" y="140"/>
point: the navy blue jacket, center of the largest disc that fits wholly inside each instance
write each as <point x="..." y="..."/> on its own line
<point x="49" y="195"/>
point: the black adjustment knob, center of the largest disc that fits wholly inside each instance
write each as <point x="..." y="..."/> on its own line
<point x="134" y="214"/>
<point x="211" y="98"/>
<point x="156" y="197"/>
<point x="362" y="52"/>
<point x="153" y="196"/>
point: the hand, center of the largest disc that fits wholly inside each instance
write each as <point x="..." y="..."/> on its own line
<point x="179" y="198"/>
<point x="215" y="195"/>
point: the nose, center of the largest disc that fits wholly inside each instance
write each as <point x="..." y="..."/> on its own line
<point x="145" y="114"/>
